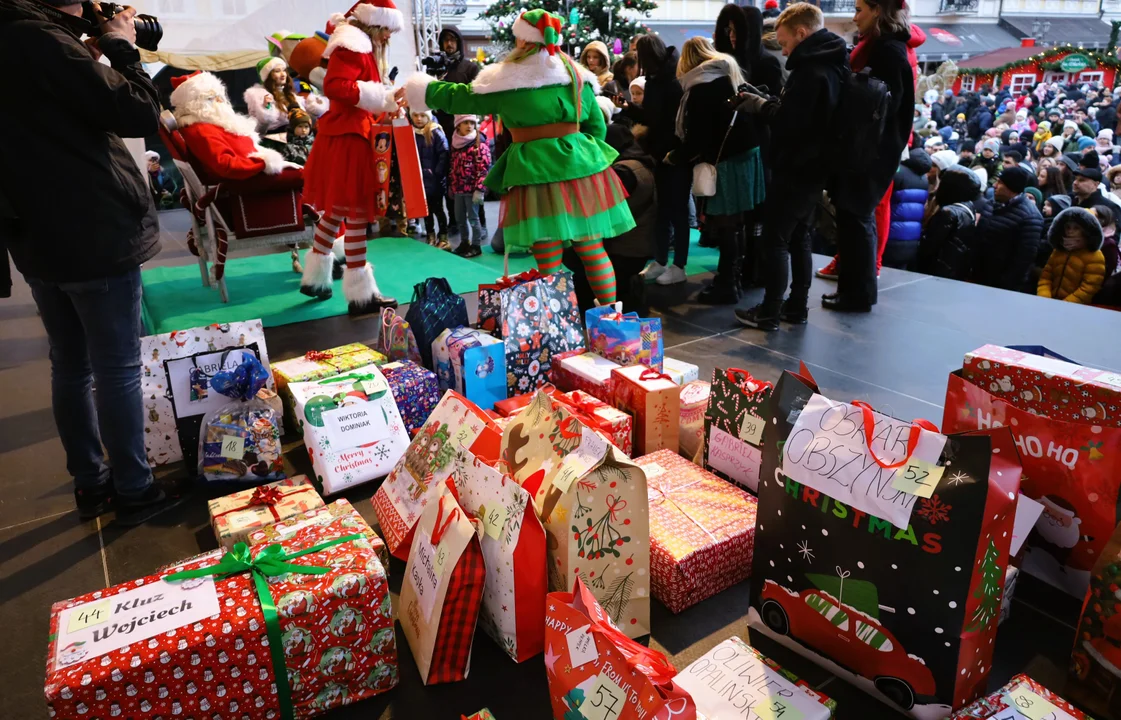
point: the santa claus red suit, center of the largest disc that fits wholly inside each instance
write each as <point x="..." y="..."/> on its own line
<point x="349" y="162"/>
<point x="223" y="142"/>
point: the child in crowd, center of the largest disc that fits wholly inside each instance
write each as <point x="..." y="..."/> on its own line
<point x="300" y="137"/>
<point x="989" y="159"/>
<point x="470" y="163"/>
<point x="1041" y="136"/>
<point x="160" y="183"/>
<point x="961" y="127"/>
<point x="1076" y="270"/>
<point x="432" y="147"/>
<point x="596" y="58"/>
<point x="638" y="90"/>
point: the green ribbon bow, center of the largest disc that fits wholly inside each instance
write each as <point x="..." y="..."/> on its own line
<point x="270" y="562"/>
<point x="356" y="377"/>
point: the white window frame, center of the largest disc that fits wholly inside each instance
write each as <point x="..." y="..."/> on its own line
<point x="1091" y="76"/>
<point x="1017" y="84"/>
<point x="968" y="82"/>
<point x="1056" y="76"/>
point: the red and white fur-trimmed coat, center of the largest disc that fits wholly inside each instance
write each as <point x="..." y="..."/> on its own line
<point x="353" y="85"/>
<point x="226" y="154"/>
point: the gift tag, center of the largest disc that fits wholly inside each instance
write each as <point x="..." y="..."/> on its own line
<point x="1031" y="705"/>
<point x="1110" y="379"/>
<point x="374" y="387"/>
<point x="587" y="455"/>
<point x="605" y="700"/>
<point x="494" y="520"/>
<point x="918" y="477"/>
<point x="774" y="708"/>
<point x="441" y="560"/>
<point x="652" y="470"/>
<point x="233" y="447"/>
<point x="581" y="646"/>
<point x="751" y="429"/>
<point x="89" y="615"/>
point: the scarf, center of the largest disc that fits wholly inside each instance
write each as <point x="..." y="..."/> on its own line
<point x="706" y="72"/>
<point x="461" y="141"/>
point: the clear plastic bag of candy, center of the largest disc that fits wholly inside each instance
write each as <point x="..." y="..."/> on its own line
<point x="240" y="441"/>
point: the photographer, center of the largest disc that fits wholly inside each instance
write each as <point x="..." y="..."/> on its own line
<point x="81" y="250"/>
<point x="452" y="65"/>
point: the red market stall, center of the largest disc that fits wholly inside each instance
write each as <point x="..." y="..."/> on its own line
<point x="1020" y="68"/>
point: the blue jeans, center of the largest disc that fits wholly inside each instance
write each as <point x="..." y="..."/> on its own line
<point x="94" y="332"/>
<point x="467" y="218"/>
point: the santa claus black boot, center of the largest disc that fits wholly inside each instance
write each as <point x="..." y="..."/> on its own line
<point x="316" y="281"/>
<point x="361" y="291"/>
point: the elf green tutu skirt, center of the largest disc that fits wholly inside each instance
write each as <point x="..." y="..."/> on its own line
<point x="571" y="211"/>
<point x="739" y="185"/>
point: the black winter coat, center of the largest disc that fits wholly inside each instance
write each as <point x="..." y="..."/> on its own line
<point x="946" y="245"/>
<point x="764" y="70"/>
<point x="818" y="67"/>
<point x="707" y="121"/>
<point x="462" y="70"/>
<point x="1007" y="242"/>
<point x="659" y="107"/>
<point x="1097" y="199"/>
<point x="887" y="61"/>
<point x="81" y="110"/>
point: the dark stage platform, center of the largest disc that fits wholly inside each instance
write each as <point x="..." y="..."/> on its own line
<point x="896" y="358"/>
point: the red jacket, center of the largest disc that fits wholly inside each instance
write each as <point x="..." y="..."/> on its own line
<point x="221" y="153"/>
<point x="353" y="85"/>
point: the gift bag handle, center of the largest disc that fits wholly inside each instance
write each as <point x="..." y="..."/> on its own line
<point x="733" y="373"/>
<point x="438" y="530"/>
<point x="912" y="441"/>
<point x="650" y="374"/>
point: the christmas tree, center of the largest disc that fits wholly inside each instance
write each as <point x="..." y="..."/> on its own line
<point x="990" y="591"/>
<point x="584" y="21"/>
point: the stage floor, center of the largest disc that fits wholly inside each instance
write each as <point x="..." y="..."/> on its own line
<point x="897" y="358"/>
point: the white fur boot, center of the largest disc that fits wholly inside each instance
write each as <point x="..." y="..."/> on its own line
<point x="316" y="281"/>
<point x="361" y="291"/>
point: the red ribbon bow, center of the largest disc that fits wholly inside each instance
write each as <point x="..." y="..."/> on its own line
<point x="318" y="355"/>
<point x="650" y="663"/>
<point x="266" y="495"/>
<point x="747" y="383"/>
<point x="614" y="505"/>
<point x="528" y="276"/>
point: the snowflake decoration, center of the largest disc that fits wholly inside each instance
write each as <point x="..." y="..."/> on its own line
<point x="934" y="510"/>
<point x="958" y="478"/>
<point x="804" y="549"/>
<point x="382" y="452"/>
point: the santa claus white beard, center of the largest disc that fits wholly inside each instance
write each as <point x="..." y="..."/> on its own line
<point x="216" y="113"/>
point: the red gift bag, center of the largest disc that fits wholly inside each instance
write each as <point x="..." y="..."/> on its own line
<point x="408" y="163"/>
<point x="594" y="670"/>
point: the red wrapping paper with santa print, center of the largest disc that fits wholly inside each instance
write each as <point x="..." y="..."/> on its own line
<point x="1070" y="467"/>
<point x="997" y="703"/>
<point x="596" y="671"/>
<point x="336" y="629"/>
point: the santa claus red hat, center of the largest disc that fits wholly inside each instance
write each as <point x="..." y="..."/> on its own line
<point x="376" y="13"/>
<point x="186" y="88"/>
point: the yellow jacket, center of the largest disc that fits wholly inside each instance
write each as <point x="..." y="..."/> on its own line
<point x="1074" y="276"/>
<point x="1041" y="137"/>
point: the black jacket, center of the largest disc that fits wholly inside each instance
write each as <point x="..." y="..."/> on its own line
<point x="707" y="121"/>
<point x="1097" y="199"/>
<point x="79" y="109"/>
<point x="460" y="70"/>
<point x="1058" y="204"/>
<point x="1007" y="242"/>
<point x="946" y="245"/>
<point x="817" y="70"/>
<point x="659" y="107"/>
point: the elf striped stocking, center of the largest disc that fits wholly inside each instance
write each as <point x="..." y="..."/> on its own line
<point x="597" y="266"/>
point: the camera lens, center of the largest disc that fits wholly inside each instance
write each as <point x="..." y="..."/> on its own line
<point x="149" y="32"/>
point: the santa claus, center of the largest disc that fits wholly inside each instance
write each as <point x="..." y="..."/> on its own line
<point x="223" y="142"/>
<point x="340" y="179"/>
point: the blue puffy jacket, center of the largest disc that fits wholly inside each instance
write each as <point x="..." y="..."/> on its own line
<point x="908" y="198"/>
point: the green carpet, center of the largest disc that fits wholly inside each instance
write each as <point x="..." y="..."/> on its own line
<point x="265" y="287"/>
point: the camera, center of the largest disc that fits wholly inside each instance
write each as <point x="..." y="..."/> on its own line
<point x="435" y="65"/>
<point x="149" y="32"/>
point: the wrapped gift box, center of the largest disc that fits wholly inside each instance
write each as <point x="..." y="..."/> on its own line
<point x="680" y="372"/>
<point x="350" y="520"/>
<point x="585" y="371"/>
<point x="1046" y="385"/>
<point x="483" y="714"/>
<point x="415" y="389"/>
<point x="734" y="676"/>
<point x="702" y="531"/>
<point x="317" y="365"/>
<point x="694" y="402"/>
<point x="996" y="704"/>
<point x="611" y="421"/>
<point x="655" y="402"/>
<point x="234" y="516"/>
<point x="203" y="647"/>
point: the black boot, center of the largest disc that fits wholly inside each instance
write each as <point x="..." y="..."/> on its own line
<point x="722" y="291"/>
<point x="761" y="317"/>
<point x="794" y="312"/>
<point x="373" y="306"/>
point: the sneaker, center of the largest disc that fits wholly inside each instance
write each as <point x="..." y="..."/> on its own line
<point x="829" y="272"/>
<point x="462" y="248"/>
<point x="134" y="510"/>
<point x="716" y="294"/>
<point x="93" y="502"/>
<point x="653" y="271"/>
<point x="671" y="276"/>
<point x="793" y="313"/>
<point x="757" y="317"/>
<point x="472" y="251"/>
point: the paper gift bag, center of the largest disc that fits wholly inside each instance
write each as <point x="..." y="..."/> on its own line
<point x="489" y="317"/>
<point x="1095" y="666"/>
<point x="352" y="428"/>
<point x="513" y="543"/>
<point x="415" y="389"/>
<point x="234" y="517"/>
<point x="734" y="426"/>
<point x="694" y="405"/>
<point x="1069" y="466"/>
<point x="595" y="671"/>
<point x="316" y="365"/>
<point x="442" y="593"/>
<point x="1021" y="697"/>
<point x="472" y="363"/>
<point x="592" y="500"/>
<point x="584" y="371"/>
<point x="881" y="547"/>
<point x="625" y="338"/>
<point x="396" y="340"/>
<point x="540" y="319"/>
<point x="408" y="163"/>
<point x="435" y="307"/>
<point x="655" y="402"/>
<point x="160" y="437"/>
<point x="455" y="426"/>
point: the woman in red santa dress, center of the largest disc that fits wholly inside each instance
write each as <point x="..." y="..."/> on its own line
<point x="348" y="166"/>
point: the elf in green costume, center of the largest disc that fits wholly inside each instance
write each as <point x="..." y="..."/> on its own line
<point x="556" y="178"/>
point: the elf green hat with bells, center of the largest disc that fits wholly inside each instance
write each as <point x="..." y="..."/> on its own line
<point x="539" y="27"/>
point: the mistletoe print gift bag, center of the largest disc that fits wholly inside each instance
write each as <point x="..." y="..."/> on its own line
<point x="881" y="547"/>
<point x="592" y="500"/>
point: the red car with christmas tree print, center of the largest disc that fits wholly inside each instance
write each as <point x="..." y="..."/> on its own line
<point x="848" y="636"/>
